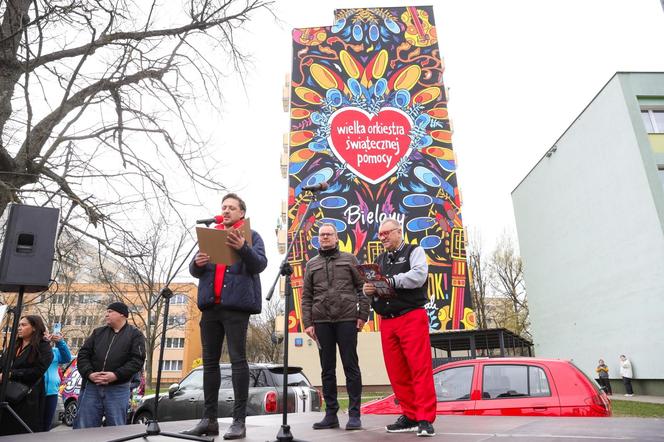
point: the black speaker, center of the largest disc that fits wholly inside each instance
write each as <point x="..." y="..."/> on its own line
<point x="28" y="249"/>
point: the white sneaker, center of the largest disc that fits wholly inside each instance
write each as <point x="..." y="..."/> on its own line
<point x="629" y="395"/>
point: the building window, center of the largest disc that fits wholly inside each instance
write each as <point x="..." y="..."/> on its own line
<point x="172" y="365"/>
<point x="88" y="298"/>
<point x="179" y="298"/>
<point x="653" y="120"/>
<point x="174" y="342"/>
<point x="84" y="320"/>
<point x="176" y="321"/>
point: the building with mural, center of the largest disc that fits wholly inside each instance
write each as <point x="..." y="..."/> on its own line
<point x="590" y="221"/>
<point x="368" y="116"/>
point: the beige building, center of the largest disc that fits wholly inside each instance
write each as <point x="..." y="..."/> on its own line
<point x="80" y="308"/>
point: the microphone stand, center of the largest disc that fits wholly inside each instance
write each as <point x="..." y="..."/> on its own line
<point x="153" y="425"/>
<point x="284" y="434"/>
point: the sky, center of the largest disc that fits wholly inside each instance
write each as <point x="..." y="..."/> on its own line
<point x="518" y="74"/>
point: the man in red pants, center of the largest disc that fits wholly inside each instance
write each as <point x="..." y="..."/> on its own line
<point x="404" y="330"/>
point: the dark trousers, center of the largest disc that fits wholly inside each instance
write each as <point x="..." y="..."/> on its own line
<point x="628" y="385"/>
<point x="217" y="323"/>
<point x="604" y="382"/>
<point x="50" y="403"/>
<point x="343" y="334"/>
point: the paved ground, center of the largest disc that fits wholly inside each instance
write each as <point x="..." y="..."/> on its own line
<point x="449" y="428"/>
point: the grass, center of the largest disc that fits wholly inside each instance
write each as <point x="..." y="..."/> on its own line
<point x="636" y="409"/>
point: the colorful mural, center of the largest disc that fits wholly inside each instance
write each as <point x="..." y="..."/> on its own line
<point x="369" y="116"/>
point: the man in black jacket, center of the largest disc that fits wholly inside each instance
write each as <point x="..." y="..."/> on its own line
<point x="227" y="296"/>
<point x="106" y="362"/>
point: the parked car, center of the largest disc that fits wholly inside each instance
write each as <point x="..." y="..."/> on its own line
<point x="510" y="387"/>
<point x="184" y="400"/>
<point x="70" y="388"/>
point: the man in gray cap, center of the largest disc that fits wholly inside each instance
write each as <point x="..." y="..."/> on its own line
<point x="106" y="362"/>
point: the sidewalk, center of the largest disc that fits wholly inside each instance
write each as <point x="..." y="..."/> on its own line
<point x="638" y="398"/>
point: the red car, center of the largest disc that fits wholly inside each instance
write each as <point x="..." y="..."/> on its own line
<point x="510" y="387"/>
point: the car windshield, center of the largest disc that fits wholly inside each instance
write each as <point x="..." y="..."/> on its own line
<point x="592" y="381"/>
<point x="193" y="382"/>
<point x="296" y="379"/>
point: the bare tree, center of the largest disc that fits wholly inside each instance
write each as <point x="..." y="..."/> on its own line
<point x="507" y="281"/>
<point x="101" y="92"/>
<point x="262" y="345"/>
<point x="480" y="274"/>
<point x="149" y="265"/>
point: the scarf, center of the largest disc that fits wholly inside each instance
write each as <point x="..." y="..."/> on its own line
<point x="220" y="269"/>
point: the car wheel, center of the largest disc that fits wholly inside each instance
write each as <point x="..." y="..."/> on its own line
<point x="143" y="417"/>
<point x="71" y="408"/>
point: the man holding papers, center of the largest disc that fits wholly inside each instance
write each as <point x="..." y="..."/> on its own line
<point x="333" y="311"/>
<point x="227" y="296"/>
<point x="404" y="329"/>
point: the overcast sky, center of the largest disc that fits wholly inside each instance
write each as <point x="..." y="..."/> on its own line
<point x="518" y="71"/>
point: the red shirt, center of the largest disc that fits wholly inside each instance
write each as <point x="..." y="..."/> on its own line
<point x="220" y="269"/>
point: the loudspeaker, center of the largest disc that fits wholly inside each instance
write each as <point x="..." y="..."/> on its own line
<point x="28" y="249"/>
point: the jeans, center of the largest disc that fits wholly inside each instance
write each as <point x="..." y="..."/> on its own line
<point x="343" y="334"/>
<point x="217" y="323"/>
<point x="97" y="401"/>
<point x="604" y="382"/>
<point x="628" y="385"/>
<point x="50" y="403"/>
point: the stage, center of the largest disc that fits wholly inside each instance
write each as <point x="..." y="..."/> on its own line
<point x="450" y="428"/>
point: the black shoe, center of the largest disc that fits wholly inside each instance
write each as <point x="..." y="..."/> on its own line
<point x="354" y="423"/>
<point x="237" y="430"/>
<point x="329" y="421"/>
<point x="206" y="427"/>
<point x="402" y="425"/>
<point x="425" y="429"/>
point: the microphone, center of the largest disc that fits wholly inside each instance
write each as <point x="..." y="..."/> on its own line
<point x="316" y="187"/>
<point x="217" y="219"/>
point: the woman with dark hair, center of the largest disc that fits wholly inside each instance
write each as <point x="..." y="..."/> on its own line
<point x="32" y="358"/>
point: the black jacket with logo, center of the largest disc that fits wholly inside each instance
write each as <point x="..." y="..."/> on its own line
<point x="123" y="352"/>
<point x="391" y="264"/>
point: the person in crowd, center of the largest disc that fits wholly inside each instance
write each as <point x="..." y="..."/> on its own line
<point x="61" y="355"/>
<point x="333" y="311"/>
<point x="227" y="296"/>
<point x="31" y="360"/>
<point x="404" y="330"/>
<point x="603" y="376"/>
<point x="107" y="361"/>
<point x="627" y="375"/>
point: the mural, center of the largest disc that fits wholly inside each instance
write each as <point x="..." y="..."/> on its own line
<point x="369" y="116"/>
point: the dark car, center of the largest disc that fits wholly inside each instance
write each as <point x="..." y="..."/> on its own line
<point x="184" y="400"/>
<point x="510" y="387"/>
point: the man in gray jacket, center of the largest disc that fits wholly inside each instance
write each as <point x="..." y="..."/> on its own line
<point x="333" y="311"/>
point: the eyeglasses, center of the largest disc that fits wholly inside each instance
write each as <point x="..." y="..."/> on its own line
<point x="386" y="233"/>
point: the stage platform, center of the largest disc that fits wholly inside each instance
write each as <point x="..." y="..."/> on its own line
<point x="448" y="428"/>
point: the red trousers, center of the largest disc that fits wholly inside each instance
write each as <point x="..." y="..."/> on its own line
<point x="407" y="353"/>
